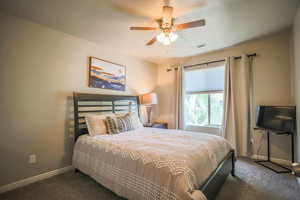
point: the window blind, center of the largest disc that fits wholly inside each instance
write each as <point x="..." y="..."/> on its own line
<point x="204" y="79"/>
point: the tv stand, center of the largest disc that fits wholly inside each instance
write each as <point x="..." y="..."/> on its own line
<point x="264" y="162"/>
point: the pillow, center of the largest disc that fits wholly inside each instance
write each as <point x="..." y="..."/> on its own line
<point x="96" y="124"/>
<point x="111" y="125"/>
<point x="124" y="123"/>
<point x="135" y="120"/>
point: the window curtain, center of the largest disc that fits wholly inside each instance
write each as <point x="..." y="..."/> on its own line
<point x="179" y="98"/>
<point x="238" y="104"/>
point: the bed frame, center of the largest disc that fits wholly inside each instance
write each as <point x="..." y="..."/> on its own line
<point x="85" y="104"/>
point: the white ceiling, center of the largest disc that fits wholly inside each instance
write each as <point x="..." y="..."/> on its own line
<point x="106" y="22"/>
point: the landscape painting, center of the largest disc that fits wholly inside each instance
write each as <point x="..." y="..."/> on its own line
<point x="106" y="75"/>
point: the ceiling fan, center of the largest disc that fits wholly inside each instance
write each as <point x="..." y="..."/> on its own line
<point x="167" y="27"/>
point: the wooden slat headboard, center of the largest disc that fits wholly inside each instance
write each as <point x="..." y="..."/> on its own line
<point x="99" y="104"/>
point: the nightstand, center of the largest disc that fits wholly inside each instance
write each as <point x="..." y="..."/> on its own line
<point x="162" y="125"/>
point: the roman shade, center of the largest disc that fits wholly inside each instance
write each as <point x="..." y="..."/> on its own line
<point x="204" y="79"/>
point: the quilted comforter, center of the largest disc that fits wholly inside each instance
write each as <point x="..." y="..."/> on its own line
<point x="150" y="163"/>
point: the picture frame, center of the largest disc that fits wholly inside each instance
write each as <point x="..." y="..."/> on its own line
<point x="106" y="75"/>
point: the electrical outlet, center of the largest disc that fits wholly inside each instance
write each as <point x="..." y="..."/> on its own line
<point x="32" y="159"/>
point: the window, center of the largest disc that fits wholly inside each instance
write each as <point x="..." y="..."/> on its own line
<point x="203" y="99"/>
<point x="204" y="109"/>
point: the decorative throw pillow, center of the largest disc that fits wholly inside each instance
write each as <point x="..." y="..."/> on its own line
<point x="111" y="125"/>
<point x="96" y="124"/>
<point x="124" y="123"/>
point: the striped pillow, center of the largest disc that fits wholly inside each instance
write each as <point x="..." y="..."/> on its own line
<point x="119" y="124"/>
<point x="124" y="123"/>
<point x="111" y="125"/>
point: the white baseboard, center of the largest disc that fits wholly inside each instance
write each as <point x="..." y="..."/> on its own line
<point x="33" y="179"/>
<point x="277" y="160"/>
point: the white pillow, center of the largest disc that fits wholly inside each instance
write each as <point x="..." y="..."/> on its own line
<point x="96" y="124"/>
<point x="136" y="122"/>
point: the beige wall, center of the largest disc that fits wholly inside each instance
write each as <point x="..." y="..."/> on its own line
<point x="39" y="70"/>
<point x="296" y="45"/>
<point x="272" y="73"/>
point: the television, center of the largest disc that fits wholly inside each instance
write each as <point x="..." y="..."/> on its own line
<point x="276" y="118"/>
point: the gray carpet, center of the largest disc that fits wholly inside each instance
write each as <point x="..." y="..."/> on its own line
<point x="252" y="182"/>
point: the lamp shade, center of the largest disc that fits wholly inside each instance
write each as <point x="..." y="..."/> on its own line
<point x="149" y="99"/>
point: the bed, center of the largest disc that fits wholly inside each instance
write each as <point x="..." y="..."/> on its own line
<point x="149" y="163"/>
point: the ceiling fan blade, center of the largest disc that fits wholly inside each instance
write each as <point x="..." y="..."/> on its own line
<point x="151" y="41"/>
<point x="193" y="24"/>
<point x="167" y="16"/>
<point x="136" y="28"/>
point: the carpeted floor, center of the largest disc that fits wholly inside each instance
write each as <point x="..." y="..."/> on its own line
<point x="252" y="182"/>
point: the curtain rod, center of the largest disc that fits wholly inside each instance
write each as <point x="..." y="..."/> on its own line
<point x="216" y="61"/>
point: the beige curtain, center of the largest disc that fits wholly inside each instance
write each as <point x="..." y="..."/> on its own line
<point x="238" y="104"/>
<point x="178" y="100"/>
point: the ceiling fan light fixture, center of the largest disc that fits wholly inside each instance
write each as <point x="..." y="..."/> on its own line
<point x="161" y="37"/>
<point x="166" y="38"/>
<point x="167" y="41"/>
<point x="166" y="25"/>
<point x="173" y="36"/>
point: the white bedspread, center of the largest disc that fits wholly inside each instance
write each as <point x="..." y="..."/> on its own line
<point x="150" y="163"/>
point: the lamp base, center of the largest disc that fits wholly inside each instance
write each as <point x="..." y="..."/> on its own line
<point x="148" y="110"/>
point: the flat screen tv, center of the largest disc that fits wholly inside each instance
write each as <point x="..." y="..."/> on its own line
<point x="276" y="118"/>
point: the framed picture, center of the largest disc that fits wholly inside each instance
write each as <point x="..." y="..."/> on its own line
<point x="106" y="75"/>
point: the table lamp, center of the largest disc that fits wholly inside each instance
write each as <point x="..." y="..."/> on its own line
<point x="148" y="100"/>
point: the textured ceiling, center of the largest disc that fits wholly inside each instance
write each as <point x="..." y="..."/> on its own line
<point x="106" y="22"/>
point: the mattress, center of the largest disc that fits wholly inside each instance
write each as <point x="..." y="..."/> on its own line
<point x="151" y="163"/>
